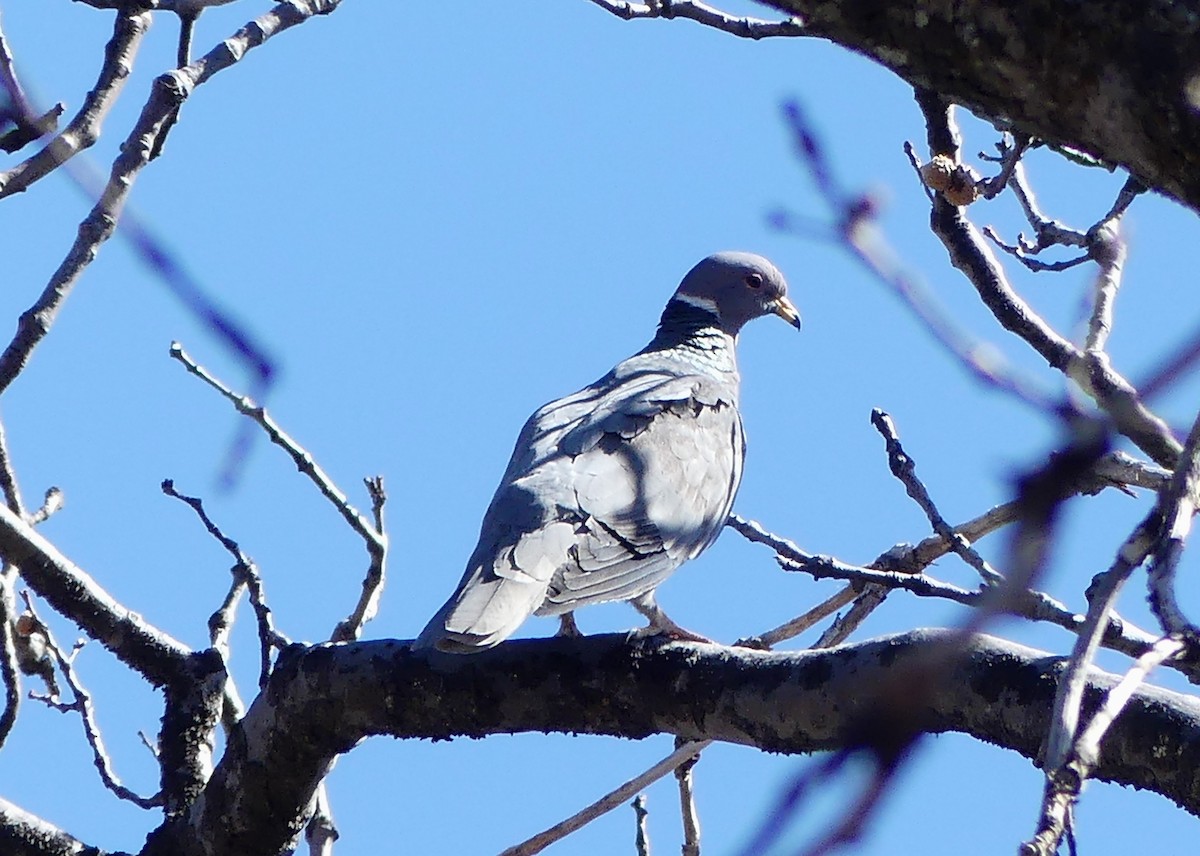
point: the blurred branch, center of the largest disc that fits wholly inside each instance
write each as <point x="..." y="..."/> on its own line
<point x="1091" y="371"/>
<point x="300" y="456"/>
<point x="857" y="231"/>
<point x="1064" y="783"/>
<point x="709" y="16"/>
<point x="84" y="129"/>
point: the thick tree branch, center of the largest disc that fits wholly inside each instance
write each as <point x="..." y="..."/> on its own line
<point x="1113" y="79"/>
<point x="322" y="700"/>
<point x="24" y="834"/>
<point x="77" y="596"/>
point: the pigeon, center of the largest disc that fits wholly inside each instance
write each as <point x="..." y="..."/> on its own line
<point x="611" y="489"/>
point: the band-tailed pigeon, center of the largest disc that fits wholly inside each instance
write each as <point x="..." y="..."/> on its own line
<point x="611" y="489"/>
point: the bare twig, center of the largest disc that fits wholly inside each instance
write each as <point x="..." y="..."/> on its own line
<point x="1010" y="153"/>
<point x="1065" y="782"/>
<point x="1177" y="505"/>
<point x="641" y="838"/>
<point x="83" y="130"/>
<point x="610" y="801"/>
<point x="52" y="503"/>
<point x="82" y="704"/>
<point x="748" y="28"/>
<point x="320" y="832"/>
<point x="300" y="457"/>
<point x="246" y="573"/>
<point x="1116" y="469"/>
<point x="1102" y="596"/>
<point x="9" y="671"/>
<point x="865" y="602"/>
<point x="1107" y="249"/>
<point x="1091" y="371"/>
<point x="904" y="468"/>
<point x="858" y="232"/>
<point x="349" y="629"/>
<point x="8" y="477"/>
<point x="687" y="804"/>
<point x="801" y="623"/>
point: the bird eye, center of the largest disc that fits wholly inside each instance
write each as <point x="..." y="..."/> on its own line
<point x="754" y="280"/>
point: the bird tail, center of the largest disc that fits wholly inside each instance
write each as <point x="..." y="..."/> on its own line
<point x="481" y="615"/>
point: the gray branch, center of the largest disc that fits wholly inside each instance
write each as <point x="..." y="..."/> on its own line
<point x="323" y="700"/>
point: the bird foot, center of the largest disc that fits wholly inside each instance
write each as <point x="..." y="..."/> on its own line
<point x="673" y="632"/>
<point x="567" y="626"/>
<point x="662" y="625"/>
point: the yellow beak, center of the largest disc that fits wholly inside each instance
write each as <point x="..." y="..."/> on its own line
<point x="785" y="310"/>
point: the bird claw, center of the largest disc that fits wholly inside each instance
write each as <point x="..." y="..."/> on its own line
<point x="661" y="625"/>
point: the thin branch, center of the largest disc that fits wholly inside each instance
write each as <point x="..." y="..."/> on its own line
<point x="52" y="503"/>
<point x="1108" y="250"/>
<point x="300" y="456"/>
<point x="1064" y="784"/>
<point x="1092" y="371"/>
<point x="9" y="671"/>
<point x="687" y="803"/>
<point x="246" y="572"/>
<point x="321" y="832"/>
<point x="8" y="477"/>
<point x="747" y="28"/>
<point x="608" y="802"/>
<point x="1177" y="505"/>
<point x="859" y="233"/>
<point x="641" y="838"/>
<point x="1102" y="597"/>
<point x="904" y="468"/>
<point x="82" y="704"/>
<point x="1010" y="154"/>
<point x="350" y="629"/>
<point x="84" y="129"/>
<point x="865" y="602"/>
<point x="801" y="623"/>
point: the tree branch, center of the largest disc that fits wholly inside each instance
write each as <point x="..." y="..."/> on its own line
<point x="322" y="700"/>
<point x="24" y="834"/>
<point x="1113" y="80"/>
<point x="74" y="594"/>
<point x="83" y="130"/>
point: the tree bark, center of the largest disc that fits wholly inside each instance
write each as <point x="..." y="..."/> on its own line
<point x="876" y="696"/>
<point x="1114" y="79"/>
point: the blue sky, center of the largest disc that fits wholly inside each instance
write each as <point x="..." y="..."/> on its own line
<point x="435" y="222"/>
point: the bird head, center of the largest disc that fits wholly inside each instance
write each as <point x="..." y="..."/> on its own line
<point x="736" y="288"/>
